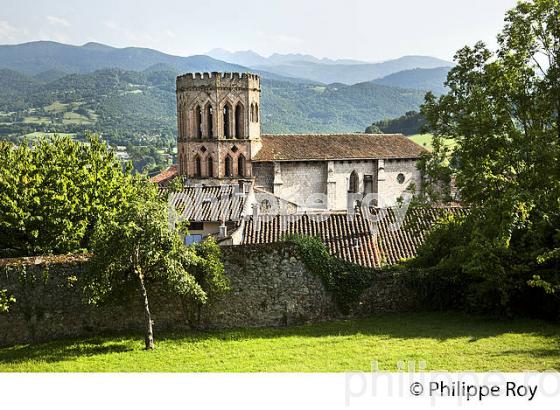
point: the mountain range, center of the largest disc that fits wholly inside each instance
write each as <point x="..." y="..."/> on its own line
<point x="129" y="93"/>
<point x="326" y="70"/>
<point x="48" y="56"/>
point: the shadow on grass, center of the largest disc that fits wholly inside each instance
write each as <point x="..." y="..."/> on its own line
<point x="397" y="326"/>
<point x="60" y="350"/>
<point x="426" y="325"/>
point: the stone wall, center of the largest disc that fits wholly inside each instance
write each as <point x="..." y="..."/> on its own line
<point x="270" y="286"/>
<point x="390" y="187"/>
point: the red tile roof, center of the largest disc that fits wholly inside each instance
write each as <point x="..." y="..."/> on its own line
<point x="164" y="177"/>
<point x="402" y="243"/>
<point x="346" y="237"/>
<point x="355" y="239"/>
<point x="336" y="147"/>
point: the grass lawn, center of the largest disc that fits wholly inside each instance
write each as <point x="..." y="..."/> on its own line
<point x="453" y="342"/>
<point x="425" y="140"/>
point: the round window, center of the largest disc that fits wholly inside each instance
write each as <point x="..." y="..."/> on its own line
<point x="400" y="178"/>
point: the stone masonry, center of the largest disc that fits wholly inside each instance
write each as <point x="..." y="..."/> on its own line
<point x="270" y="286"/>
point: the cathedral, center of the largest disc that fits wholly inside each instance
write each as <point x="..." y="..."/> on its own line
<point x="220" y="143"/>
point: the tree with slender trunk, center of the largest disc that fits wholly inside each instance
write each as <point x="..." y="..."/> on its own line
<point x="138" y="248"/>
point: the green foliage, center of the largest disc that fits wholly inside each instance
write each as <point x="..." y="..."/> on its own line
<point x="208" y="271"/>
<point x="208" y="268"/>
<point x="137" y="242"/>
<point x="503" y="111"/>
<point x="53" y="192"/>
<point x="345" y="280"/>
<point x="5" y="301"/>
<point x="136" y="248"/>
<point x="409" y="124"/>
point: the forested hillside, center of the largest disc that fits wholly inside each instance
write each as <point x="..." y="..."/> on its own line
<point x="409" y="124"/>
<point x="429" y="79"/>
<point x="139" y="107"/>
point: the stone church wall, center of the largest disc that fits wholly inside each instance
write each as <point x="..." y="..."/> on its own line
<point x="300" y="180"/>
<point x="341" y="177"/>
<point x="263" y="172"/>
<point x="270" y="286"/>
<point x="388" y="184"/>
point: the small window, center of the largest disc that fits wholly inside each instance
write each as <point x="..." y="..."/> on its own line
<point x="353" y="183"/>
<point x="228" y="166"/>
<point x="241" y="165"/>
<point x="400" y="178"/>
<point x="197" y="167"/>
<point x="196" y="226"/>
<point x="210" y="167"/>
<point x="190" y="239"/>
<point x="368" y="184"/>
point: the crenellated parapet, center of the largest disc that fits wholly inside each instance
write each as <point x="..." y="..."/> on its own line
<point x="216" y="80"/>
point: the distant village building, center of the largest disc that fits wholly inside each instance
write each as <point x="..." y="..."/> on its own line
<point x="235" y="176"/>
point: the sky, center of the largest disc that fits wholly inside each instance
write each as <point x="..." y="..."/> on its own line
<point x="369" y="30"/>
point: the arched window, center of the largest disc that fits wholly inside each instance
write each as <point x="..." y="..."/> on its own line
<point x="210" y="165"/>
<point x="210" y="120"/>
<point x="227" y="128"/>
<point x="353" y="185"/>
<point x="197" y="167"/>
<point x="241" y="165"/>
<point x="239" y="123"/>
<point x="252" y="112"/>
<point x="228" y="165"/>
<point x="198" y="121"/>
<point x="256" y="112"/>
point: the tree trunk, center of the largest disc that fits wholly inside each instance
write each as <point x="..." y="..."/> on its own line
<point x="149" y="335"/>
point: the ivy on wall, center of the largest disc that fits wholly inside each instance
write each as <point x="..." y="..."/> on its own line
<point x="345" y="280"/>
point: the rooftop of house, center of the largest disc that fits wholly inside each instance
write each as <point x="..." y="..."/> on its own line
<point x="320" y="147"/>
<point x="354" y="238"/>
<point x="164" y="177"/>
<point x="209" y="203"/>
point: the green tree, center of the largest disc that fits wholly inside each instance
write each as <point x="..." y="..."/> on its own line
<point x="209" y="271"/>
<point x="503" y="109"/>
<point x="53" y="191"/>
<point x="138" y="247"/>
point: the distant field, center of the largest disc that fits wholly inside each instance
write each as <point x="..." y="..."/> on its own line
<point x="75" y="118"/>
<point x="37" y="134"/>
<point x="36" y="120"/>
<point x="425" y="140"/>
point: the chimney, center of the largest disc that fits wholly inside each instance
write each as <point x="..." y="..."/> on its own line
<point x="223" y="230"/>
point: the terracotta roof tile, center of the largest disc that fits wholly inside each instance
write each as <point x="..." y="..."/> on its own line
<point x="398" y="244"/>
<point x="336" y="146"/>
<point x="355" y="239"/>
<point x="164" y="177"/>
<point x="349" y="238"/>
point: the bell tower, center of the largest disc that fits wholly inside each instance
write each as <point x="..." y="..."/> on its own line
<point x="218" y="118"/>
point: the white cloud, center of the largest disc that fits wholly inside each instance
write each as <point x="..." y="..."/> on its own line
<point x="6" y="31"/>
<point x="58" y="21"/>
<point x="10" y="34"/>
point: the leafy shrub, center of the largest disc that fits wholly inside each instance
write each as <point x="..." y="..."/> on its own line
<point x="345" y="280"/>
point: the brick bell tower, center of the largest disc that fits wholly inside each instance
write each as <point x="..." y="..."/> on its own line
<point x="218" y="117"/>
